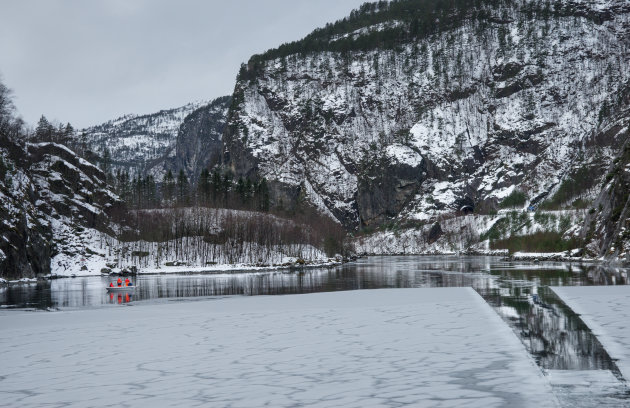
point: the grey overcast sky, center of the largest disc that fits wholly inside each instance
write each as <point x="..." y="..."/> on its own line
<point x="88" y="61"/>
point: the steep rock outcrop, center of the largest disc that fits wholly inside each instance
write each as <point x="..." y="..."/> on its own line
<point x="486" y="99"/>
<point x="138" y="144"/>
<point x="386" y="184"/>
<point x="72" y="187"/>
<point x="606" y="230"/>
<point x="25" y="235"/>
<point x="46" y="188"/>
<point x="199" y="139"/>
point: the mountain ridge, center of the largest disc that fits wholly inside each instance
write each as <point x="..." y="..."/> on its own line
<point x="142" y="144"/>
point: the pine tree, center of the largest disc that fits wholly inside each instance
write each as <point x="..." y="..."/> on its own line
<point x="203" y="187"/>
<point x="106" y="161"/>
<point x="414" y="28"/>
<point x="240" y="190"/>
<point x="58" y="134"/>
<point x="7" y="109"/>
<point x="225" y="187"/>
<point x="182" y="187"/>
<point x="263" y="195"/>
<point x="44" y="130"/>
<point x="216" y="185"/>
<point x="68" y="133"/>
<point x="124" y="185"/>
<point x="141" y="192"/>
<point x="150" y="191"/>
<point x="248" y="191"/>
<point x="169" y="187"/>
<point x="134" y="192"/>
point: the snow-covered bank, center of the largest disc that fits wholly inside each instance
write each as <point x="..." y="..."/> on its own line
<point x="420" y="347"/>
<point x="606" y="311"/>
<point x="466" y="233"/>
<point x="471" y="235"/>
<point x="242" y="267"/>
<point x="100" y="267"/>
<point x="551" y="256"/>
<point x="88" y="252"/>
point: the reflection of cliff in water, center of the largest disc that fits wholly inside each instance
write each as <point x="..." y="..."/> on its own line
<point x="308" y="281"/>
<point x="77" y="292"/>
<point x="599" y="275"/>
<point x="552" y="333"/>
<point x="35" y="295"/>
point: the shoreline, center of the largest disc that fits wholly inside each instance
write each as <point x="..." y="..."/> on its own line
<point x="235" y="268"/>
<point x="188" y="270"/>
<point x="517" y="256"/>
<point x="244" y="268"/>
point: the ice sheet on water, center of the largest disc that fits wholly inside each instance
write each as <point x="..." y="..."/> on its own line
<point x="422" y="347"/>
<point x="606" y="311"/>
<point x="588" y="388"/>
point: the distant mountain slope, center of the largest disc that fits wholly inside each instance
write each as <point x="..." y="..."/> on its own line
<point x="412" y="109"/>
<point x="199" y="139"/>
<point x="146" y="144"/>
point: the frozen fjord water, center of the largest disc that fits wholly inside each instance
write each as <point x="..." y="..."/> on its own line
<point x="561" y="344"/>
<point x="588" y="388"/>
<point x="606" y="310"/>
<point x="423" y="347"/>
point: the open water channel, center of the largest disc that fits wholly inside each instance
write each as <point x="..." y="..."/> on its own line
<point x="519" y="292"/>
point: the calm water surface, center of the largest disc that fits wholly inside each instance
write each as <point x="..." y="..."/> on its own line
<point x="554" y="335"/>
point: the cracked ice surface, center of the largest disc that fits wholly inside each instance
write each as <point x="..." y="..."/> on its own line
<point x="606" y="311"/>
<point x="392" y="347"/>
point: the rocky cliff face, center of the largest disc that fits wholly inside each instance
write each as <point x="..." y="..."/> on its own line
<point x="25" y="236"/>
<point x="188" y="138"/>
<point x="455" y="113"/>
<point x="606" y="230"/>
<point x="46" y="188"/>
<point x="410" y="111"/>
<point x="72" y="188"/>
<point x="199" y="139"/>
<point x="139" y="144"/>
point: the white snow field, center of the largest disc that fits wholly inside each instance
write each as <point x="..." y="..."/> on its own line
<point x="391" y="347"/>
<point x="606" y="311"/>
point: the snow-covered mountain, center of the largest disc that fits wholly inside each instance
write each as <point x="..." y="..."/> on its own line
<point x="407" y="111"/>
<point x="199" y="139"/>
<point x="49" y="196"/>
<point x="457" y="111"/>
<point x="147" y="144"/>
